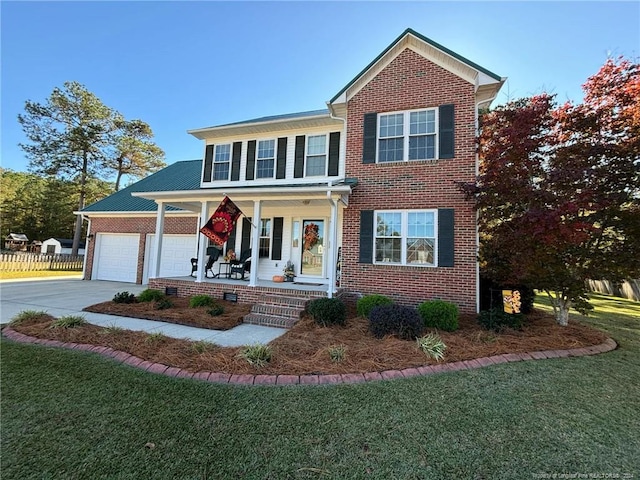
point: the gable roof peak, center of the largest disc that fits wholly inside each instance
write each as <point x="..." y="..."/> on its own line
<point x="404" y="41"/>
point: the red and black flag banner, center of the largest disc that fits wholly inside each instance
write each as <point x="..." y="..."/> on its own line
<point x="221" y="223"/>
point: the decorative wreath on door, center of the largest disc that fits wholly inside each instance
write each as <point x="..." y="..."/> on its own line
<point x="310" y="236"/>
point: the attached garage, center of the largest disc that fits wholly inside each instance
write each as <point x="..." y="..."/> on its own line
<point x="116" y="257"/>
<point x="177" y="251"/>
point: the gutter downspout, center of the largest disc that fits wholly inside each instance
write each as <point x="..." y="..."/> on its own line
<point x="333" y="222"/>
<point x="477" y="172"/>
<point x="87" y="244"/>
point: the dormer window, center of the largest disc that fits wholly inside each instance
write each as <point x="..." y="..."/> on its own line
<point x="221" y="162"/>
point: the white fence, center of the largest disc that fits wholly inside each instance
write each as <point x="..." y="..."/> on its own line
<point x="29" y="262"/>
<point x="628" y="289"/>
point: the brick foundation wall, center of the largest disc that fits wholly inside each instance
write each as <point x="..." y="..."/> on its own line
<point x="410" y="82"/>
<point x="141" y="225"/>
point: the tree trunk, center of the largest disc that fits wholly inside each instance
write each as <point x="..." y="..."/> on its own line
<point x="561" y="306"/>
<point x="77" y="233"/>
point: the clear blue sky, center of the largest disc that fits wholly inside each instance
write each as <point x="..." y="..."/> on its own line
<point x="186" y="65"/>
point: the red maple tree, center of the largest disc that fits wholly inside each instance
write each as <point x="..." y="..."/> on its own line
<point x="558" y="191"/>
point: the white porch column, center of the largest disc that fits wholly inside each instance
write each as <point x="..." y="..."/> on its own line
<point x="333" y="247"/>
<point x="158" y="239"/>
<point x="202" y="242"/>
<point x="255" y="242"/>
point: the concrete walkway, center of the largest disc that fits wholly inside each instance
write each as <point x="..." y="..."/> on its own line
<point x="60" y="297"/>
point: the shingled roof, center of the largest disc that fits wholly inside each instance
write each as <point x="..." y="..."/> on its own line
<point x="184" y="175"/>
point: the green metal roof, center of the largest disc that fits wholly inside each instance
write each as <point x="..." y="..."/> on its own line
<point x="424" y="39"/>
<point x="184" y="175"/>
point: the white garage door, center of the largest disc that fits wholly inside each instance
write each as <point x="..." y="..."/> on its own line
<point x="177" y="251"/>
<point x="116" y="257"/>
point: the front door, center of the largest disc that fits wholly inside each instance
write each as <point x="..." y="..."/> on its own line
<point x="312" y="262"/>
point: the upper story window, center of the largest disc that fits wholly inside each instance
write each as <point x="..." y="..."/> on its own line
<point x="405" y="237"/>
<point x="316" y="158"/>
<point x="265" y="160"/>
<point x="410" y="135"/>
<point x="221" y="162"/>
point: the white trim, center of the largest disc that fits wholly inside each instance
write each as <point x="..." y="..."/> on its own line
<point x="406" y="134"/>
<point x="404" y="235"/>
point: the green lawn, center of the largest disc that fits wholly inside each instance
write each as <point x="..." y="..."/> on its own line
<point x="75" y="415"/>
<point x="14" y="275"/>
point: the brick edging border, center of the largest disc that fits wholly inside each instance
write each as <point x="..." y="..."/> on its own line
<point x="249" y="379"/>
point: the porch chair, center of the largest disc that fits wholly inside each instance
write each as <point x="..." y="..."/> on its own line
<point x="239" y="267"/>
<point x="214" y="254"/>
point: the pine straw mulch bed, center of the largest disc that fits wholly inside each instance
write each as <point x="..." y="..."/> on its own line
<point x="178" y="313"/>
<point x="303" y="350"/>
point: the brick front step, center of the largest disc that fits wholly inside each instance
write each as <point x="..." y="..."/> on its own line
<point x="278" y="311"/>
<point x="269" y="320"/>
<point x="286" y="301"/>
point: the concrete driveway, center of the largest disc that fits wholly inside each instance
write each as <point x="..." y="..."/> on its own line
<point x="60" y="297"/>
<point x="57" y="297"/>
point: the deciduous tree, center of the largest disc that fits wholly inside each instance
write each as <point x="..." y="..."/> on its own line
<point x="558" y="190"/>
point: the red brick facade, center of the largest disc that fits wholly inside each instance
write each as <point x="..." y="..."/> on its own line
<point x="141" y="225"/>
<point x="410" y="82"/>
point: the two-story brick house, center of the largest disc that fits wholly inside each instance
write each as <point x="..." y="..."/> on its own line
<point x="367" y="185"/>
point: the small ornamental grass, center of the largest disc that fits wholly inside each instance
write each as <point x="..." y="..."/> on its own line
<point x="68" y="321"/>
<point x="111" y="329"/>
<point x="439" y="314"/>
<point x="369" y="302"/>
<point x="202" y="346"/>
<point x="257" y="355"/>
<point x="157" y="337"/>
<point x="201" y="301"/>
<point x="497" y="320"/>
<point x="432" y="346"/>
<point x="124" y="297"/>
<point x="215" y="310"/>
<point x="327" y="311"/>
<point x="337" y="353"/>
<point x="27" y="315"/>
<point x="395" y="320"/>
<point x="150" y="295"/>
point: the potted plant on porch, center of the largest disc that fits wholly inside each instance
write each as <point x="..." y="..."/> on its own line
<point x="289" y="271"/>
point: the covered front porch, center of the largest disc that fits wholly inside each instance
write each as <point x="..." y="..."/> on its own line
<point x="297" y="224"/>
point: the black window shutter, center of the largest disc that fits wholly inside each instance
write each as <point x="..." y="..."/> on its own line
<point x="445" y="237"/>
<point x="276" y="250"/>
<point x="251" y="159"/>
<point x="208" y="163"/>
<point x="298" y="164"/>
<point x="235" y="161"/>
<point x="366" y="236"/>
<point x="447" y="146"/>
<point x="281" y="163"/>
<point x="245" y="243"/>
<point x="370" y="127"/>
<point x="334" y="153"/>
<point x="231" y="241"/>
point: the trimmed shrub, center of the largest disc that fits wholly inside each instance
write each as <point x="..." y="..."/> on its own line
<point x="497" y="320"/>
<point x="201" y="301"/>
<point x="124" y="297"/>
<point x="150" y="295"/>
<point x="432" y="346"/>
<point x="216" y="310"/>
<point x="369" y="302"/>
<point x="439" y="314"/>
<point x="163" y="303"/>
<point x="327" y="311"/>
<point x="405" y="322"/>
<point x="69" y="321"/>
<point x="257" y="355"/>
